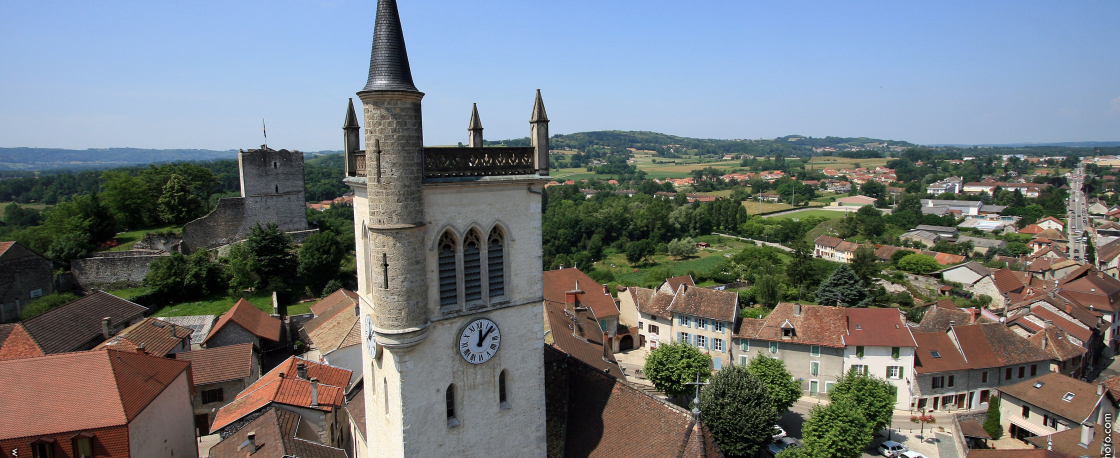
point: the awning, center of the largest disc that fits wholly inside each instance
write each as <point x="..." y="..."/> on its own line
<point x="1023" y="423"/>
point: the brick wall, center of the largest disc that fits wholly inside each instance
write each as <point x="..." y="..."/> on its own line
<point x="114" y="269"/>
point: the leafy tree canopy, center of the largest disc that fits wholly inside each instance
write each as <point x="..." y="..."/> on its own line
<point x="736" y="407"/>
<point x="671" y="366"/>
<point x="843" y="288"/>
<point x="780" y="385"/>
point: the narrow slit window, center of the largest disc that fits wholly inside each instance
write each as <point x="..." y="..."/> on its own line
<point x="503" y="400"/>
<point x="448" y="294"/>
<point x="385" y="270"/>
<point x="495" y="263"/>
<point x="450" y="398"/>
<point x="472" y="267"/>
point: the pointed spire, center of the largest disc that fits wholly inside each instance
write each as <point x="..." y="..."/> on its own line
<point x="538" y="110"/>
<point x="351" y="118"/>
<point x="388" y="63"/>
<point x="476" y="123"/>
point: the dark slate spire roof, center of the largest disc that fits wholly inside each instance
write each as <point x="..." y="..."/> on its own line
<point x="351" y="118"/>
<point x="538" y="110"/>
<point x="476" y="123"/>
<point x="388" y="63"/>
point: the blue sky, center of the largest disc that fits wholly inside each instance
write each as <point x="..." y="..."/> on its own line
<point x="202" y="74"/>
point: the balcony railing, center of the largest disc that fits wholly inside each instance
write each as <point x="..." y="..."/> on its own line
<point x="359" y="166"/>
<point x="452" y="162"/>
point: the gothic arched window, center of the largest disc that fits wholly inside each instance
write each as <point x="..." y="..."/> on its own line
<point x="448" y="291"/>
<point x="472" y="266"/>
<point x="496" y="263"/>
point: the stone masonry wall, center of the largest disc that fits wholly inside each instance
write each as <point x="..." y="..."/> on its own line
<point x="219" y="227"/>
<point x="18" y="278"/>
<point x="115" y="269"/>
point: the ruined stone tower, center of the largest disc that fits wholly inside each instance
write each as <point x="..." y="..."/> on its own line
<point x="449" y="274"/>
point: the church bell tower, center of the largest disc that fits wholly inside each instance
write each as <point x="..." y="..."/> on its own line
<point x="448" y="241"/>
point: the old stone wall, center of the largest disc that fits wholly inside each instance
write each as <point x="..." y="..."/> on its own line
<point x="158" y="242"/>
<point x="232" y="334"/>
<point x="20" y="279"/>
<point x="113" y="269"/>
<point x="268" y="171"/>
<point x="220" y="227"/>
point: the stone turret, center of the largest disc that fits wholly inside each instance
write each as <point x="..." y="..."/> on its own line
<point x="538" y="135"/>
<point x="395" y="149"/>
<point x="475" y="129"/>
<point x="351" y="146"/>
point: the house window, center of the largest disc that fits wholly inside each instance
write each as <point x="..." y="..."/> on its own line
<point x="653" y="329"/>
<point x="859" y="351"/>
<point x="859" y="369"/>
<point x="937" y="382"/>
<point x="683" y="337"/>
<point x="894" y="372"/>
<point x="717" y="326"/>
<point x="472" y="267"/>
<point x="448" y="287"/>
<point x="42" y="450"/>
<point x="787" y="332"/>
<point x="214" y="395"/>
<point x="1007" y="374"/>
<point x="701" y="323"/>
<point x="717" y="344"/>
<point x="37" y="293"/>
<point x="701" y="341"/>
<point x="814" y="368"/>
<point x="1022" y="371"/>
<point x="743" y="361"/>
<point x="1026" y="411"/>
<point x="1052" y="422"/>
<point x="640" y="326"/>
<point x="603" y="325"/>
<point x="83" y="445"/>
<point x="950" y="380"/>
<point x="814" y="350"/>
<point x="496" y="263"/>
<point x="984" y="377"/>
<point x="895" y="352"/>
<point x="744" y="344"/>
<point x="450" y="398"/>
<point x="680" y="320"/>
<point x="773" y="347"/>
<point x="1034" y="369"/>
<point x="503" y="399"/>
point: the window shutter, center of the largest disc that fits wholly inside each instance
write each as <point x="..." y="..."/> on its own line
<point x="448" y="294"/>
<point x="900" y="375"/>
<point x="495" y="263"/>
<point x="472" y="268"/>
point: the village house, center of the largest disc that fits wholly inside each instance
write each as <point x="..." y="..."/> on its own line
<point x="648" y="310"/>
<point x="244" y="323"/>
<point x="834" y="249"/>
<point x="1051" y="403"/>
<point x="563" y="286"/>
<point x="572" y="329"/>
<point x="878" y="342"/>
<point x="973" y="277"/>
<point x="84" y="323"/>
<point x="15" y="342"/>
<point x="119" y="404"/>
<point x="808" y="338"/>
<point x="962" y="207"/>
<point x="705" y="318"/>
<point x="219" y="374"/>
<point x="277" y="433"/>
<point x="154" y="336"/>
<point x="334" y="335"/>
<point x="926" y="238"/>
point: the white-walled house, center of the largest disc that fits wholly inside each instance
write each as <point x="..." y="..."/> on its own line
<point x="879" y="343"/>
<point x="1051" y="403"/>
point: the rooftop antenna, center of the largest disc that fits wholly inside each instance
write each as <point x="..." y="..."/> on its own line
<point x="265" y="129"/>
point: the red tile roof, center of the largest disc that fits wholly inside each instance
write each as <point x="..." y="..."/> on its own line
<point x="877" y="327"/>
<point x="335" y="328"/>
<point x="1052" y="392"/>
<point x="71" y="326"/>
<point x="676" y="282"/>
<point x="947" y="358"/>
<point x="158" y="337"/>
<point x="213" y="365"/>
<point x="707" y="303"/>
<point x="276" y="436"/>
<point x="578" y="334"/>
<point x="1006" y="281"/>
<point x="560" y="281"/>
<point x="341" y="296"/>
<point x="110" y="389"/>
<point x="1031" y="229"/>
<point x="816" y="325"/>
<point x="15" y="342"/>
<point x="287" y="389"/>
<point x="250" y="318"/>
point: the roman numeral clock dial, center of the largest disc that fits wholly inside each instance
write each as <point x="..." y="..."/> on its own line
<point x="479" y="341"/>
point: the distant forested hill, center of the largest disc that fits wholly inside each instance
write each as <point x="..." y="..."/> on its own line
<point x="667" y="145"/>
<point x="103" y="158"/>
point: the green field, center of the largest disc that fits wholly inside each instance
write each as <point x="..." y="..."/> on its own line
<point x="215" y="306"/>
<point x="39" y="207"/>
<point x="807" y="213"/>
<point x="128" y="239"/>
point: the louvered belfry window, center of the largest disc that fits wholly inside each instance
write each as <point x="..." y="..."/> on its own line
<point x="472" y="267"/>
<point x="495" y="263"/>
<point x="448" y="294"/>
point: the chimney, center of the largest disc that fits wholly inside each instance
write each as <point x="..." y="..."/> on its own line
<point x="1100" y="389"/>
<point x="314" y="392"/>
<point x="1045" y="339"/>
<point x="301" y="371"/>
<point x="606" y="345"/>
<point x="1086" y="435"/>
<point x="606" y="290"/>
<point x="252" y="439"/>
<point x="140" y="349"/>
<point x="975" y="316"/>
<point x="797" y="309"/>
<point x="106" y="331"/>
<point x="275" y="304"/>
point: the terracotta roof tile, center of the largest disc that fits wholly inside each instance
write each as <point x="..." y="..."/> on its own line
<point x="341" y="296"/>
<point x="748" y="328"/>
<point x="1068" y="442"/>
<point x="213" y="365"/>
<point x="111" y="389"/>
<point x="289" y="389"/>
<point x="276" y="436"/>
<point x="579" y="334"/>
<point x="15" y="342"/>
<point x="1006" y="281"/>
<point x="73" y="325"/>
<point x="356" y="406"/>
<point x="560" y="281"/>
<point x="1051" y="395"/>
<point x="336" y="328"/>
<point x="707" y="303"/>
<point x="816" y="325"/>
<point x="877" y="327"/>
<point x="250" y="318"/>
<point x="158" y="337"/>
<point x="947" y="358"/>
<point x="676" y="282"/>
<point x="1056" y="342"/>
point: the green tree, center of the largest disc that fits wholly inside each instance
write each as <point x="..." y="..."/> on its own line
<point x="737" y="409"/>
<point x="319" y="259"/>
<point x="682" y="247"/>
<point x="165" y="276"/>
<point x="271" y="248"/>
<point x="780" y="385"/>
<point x="837" y="430"/>
<point x="177" y="204"/>
<point x="1018" y="249"/>
<point x="45" y="303"/>
<point x="768" y="290"/>
<point x="991" y="423"/>
<point x="639" y="250"/>
<point x="242" y="265"/>
<point x="68" y="247"/>
<point x="332" y="286"/>
<point x="908" y="213"/>
<point x="873" y="396"/>
<point x="870" y="221"/>
<point x="865" y="264"/>
<point x="671" y="366"/>
<point x="843" y="288"/>
<point x="918" y="263"/>
<point x="202" y="276"/>
<point x="128" y="198"/>
<point x="1090" y="252"/>
<point x="17" y="216"/>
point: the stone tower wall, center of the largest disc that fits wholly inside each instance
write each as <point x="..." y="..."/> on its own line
<point x="270" y="172"/>
<point x="396" y="208"/>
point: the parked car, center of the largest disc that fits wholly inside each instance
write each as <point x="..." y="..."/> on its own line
<point x="782" y="444"/>
<point x="912" y="455"/>
<point x="779" y="432"/>
<point x="892" y="449"/>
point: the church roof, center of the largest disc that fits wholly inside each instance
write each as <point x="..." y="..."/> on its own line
<point x="388" y="62"/>
<point x="476" y="123"/>
<point x="351" y="121"/>
<point x="538" y="110"/>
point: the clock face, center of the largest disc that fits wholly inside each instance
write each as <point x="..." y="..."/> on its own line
<point x="371" y="340"/>
<point x="479" y="341"/>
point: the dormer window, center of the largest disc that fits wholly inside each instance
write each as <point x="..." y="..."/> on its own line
<point x="787" y="332"/>
<point x="935" y="354"/>
<point x="83" y="444"/>
<point x="1068" y="397"/>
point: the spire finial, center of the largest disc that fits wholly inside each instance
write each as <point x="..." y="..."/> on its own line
<point x="388" y="63"/>
<point x="351" y="121"/>
<point x="476" y="123"/>
<point x="538" y="110"/>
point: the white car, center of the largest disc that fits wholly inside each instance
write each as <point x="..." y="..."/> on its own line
<point x="778" y="432"/>
<point x="912" y="455"/>
<point x="892" y="449"/>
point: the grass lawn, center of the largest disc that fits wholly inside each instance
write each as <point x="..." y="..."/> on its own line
<point x="835" y="162"/>
<point x="807" y="213"/>
<point x="39" y="207"/>
<point x="129" y="293"/>
<point x="829" y="227"/>
<point x="754" y="208"/>
<point x="703" y="261"/>
<point x="299" y="309"/>
<point x="128" y="239"/>
<point x="216" y="305"/>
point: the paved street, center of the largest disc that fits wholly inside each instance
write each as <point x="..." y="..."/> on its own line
<point x="1077" y="216"/>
